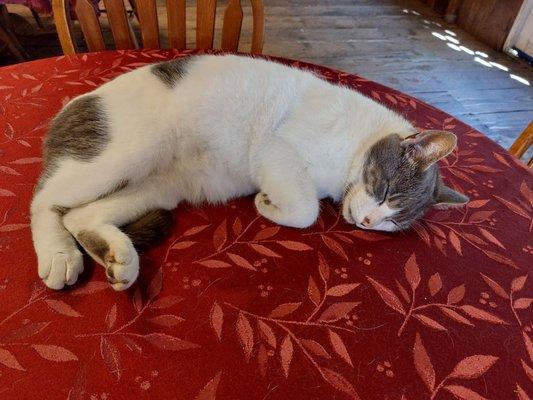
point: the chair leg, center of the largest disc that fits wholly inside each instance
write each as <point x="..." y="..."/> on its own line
<point x="13" y="44"/>
<point x="8" y="37"/>
<point x="452" y="10"/>
<point x="37" y="18"/>
<point x="4" y="17"/>
<point x="522" y="143"/>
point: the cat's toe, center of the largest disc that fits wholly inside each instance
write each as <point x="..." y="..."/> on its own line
<point x="265" y="199"/>
<point x="122" y="267"/>
<point x="62" y="269"/>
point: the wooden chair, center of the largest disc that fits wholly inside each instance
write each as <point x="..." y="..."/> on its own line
<point x="522" y="144"/>
<point x="146" y="11"/>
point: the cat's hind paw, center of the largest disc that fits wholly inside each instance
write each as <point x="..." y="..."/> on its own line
<point x="122" y="266"/>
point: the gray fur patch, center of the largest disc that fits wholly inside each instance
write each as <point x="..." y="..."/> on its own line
<point x="149" y="229"/>
<point x="80" y="131"/>
<point x="170" y="72"/>
<point x="93" y="243"/>
<point x="390" y="174"/>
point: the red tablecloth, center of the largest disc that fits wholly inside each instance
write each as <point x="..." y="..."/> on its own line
<point x="233" y="307"/>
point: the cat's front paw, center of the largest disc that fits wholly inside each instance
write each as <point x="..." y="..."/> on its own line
<point x="266" y="208"/>
<point x="61" y="268"/>
<point x="296" y="214"/>
<point x="122" y="266"/>
<point x="263" y="202"/>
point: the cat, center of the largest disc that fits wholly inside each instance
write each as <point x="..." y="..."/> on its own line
<point x="215" y="127"/>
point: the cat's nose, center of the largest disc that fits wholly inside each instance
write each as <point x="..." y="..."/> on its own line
<point x="366" y="222"/>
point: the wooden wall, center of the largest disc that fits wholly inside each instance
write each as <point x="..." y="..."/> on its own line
<point x="488" y="20"/>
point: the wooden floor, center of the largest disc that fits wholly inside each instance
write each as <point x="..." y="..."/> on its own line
<point x="400" y="43"/>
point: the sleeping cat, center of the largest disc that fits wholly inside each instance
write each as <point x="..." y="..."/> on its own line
<point x="212" y="128"/>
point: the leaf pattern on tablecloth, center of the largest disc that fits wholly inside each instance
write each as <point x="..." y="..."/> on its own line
<point x="471" y="367"/>
<point x="441" y="311"/>
<point x="448" y="308"/>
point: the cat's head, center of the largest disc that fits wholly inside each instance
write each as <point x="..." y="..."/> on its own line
<point x="400" y="181"/>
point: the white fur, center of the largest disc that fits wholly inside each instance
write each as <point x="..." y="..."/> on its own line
<point x="231" y="126"/>
<point x="358" y="205"/>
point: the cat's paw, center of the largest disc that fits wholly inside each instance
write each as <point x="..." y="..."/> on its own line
<point x="265" y="206"/>
<point x="61" y="268"/>
<point x="122" y="266"/>
<point x="263" y="200"/>
<point x="283" y="211"/>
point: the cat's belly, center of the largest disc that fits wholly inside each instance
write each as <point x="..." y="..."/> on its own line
<point x="204" y="179"/>
<point x="216" y="187"/>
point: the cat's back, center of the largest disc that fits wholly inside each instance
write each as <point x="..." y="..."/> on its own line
<point x="236" y="91"/>
<point x="244" y="72"/>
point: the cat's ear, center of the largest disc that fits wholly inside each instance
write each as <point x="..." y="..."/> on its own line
<point x="429" y="147"/>
<point x="448" y="198"/>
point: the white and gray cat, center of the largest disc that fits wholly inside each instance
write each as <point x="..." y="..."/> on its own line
<point x="212" y="128"/>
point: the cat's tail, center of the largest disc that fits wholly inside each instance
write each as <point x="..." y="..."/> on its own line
<point x="149" y="229"/>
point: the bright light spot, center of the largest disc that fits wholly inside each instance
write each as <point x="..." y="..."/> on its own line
<point x="467" y="50"/>
<point x="439" y="25"/>
<point x="426" y="21"/>
<point x="438" y="35"/>
<point x="405" y="11"/>
<point x="499" y="66"/>
<point x="519" y="79"/>
<point x="453" y="46"/>
<point x="481" y="54"/>
<point x="482" y="62"/>
<point x="415" y="13"/>
<point x="513" y="52"/>
<point x="452" y="39"/>
<point x="450" y="32"/>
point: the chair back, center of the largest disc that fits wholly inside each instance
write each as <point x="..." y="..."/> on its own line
<point x="147" y="15"/>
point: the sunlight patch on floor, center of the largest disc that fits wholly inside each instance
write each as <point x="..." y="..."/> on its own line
<point x="467" y="50"/>
<point x="482" y="62"/>
<point x="453" y="42"/>
<point x="499" y="66"/>
<point x="438" y="35"/>
<point x="452" y="39"/>
<point x="453" y="46"/>
<point x="519" y="79"/>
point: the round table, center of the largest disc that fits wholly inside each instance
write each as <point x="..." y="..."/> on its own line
<point x="231" y="306"/>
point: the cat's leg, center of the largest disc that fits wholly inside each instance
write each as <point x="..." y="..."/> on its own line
<point x="72" y="183"/>
<point x="96" y="226"/>
<point x="58" y="258"/>
<point x="287" y="193"/>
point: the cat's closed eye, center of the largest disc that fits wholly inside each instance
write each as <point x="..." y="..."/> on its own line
<point x="385" y="193"/>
